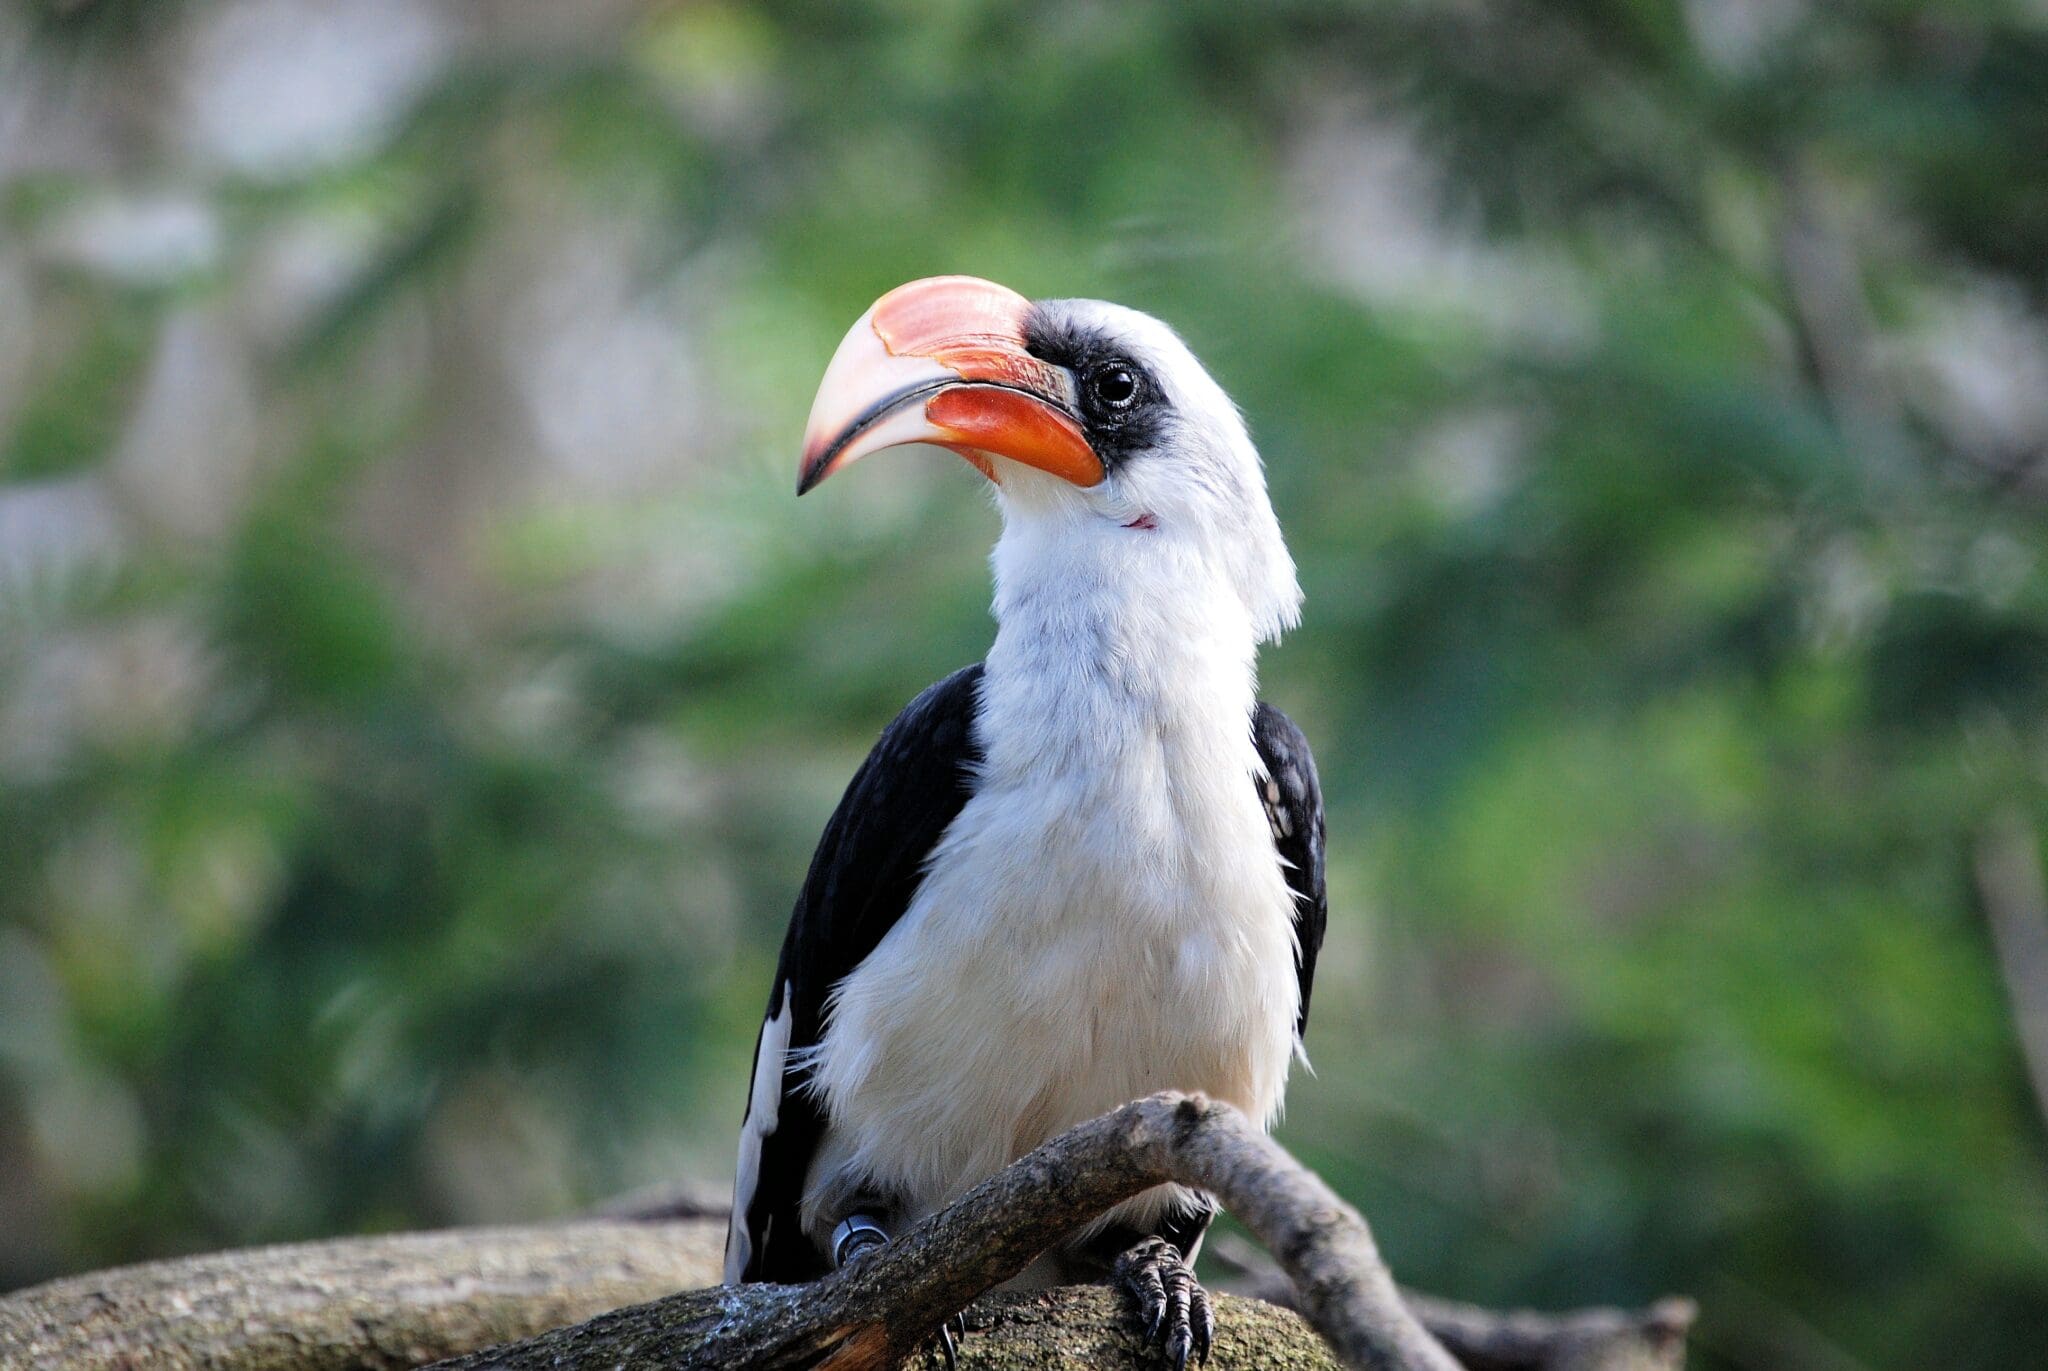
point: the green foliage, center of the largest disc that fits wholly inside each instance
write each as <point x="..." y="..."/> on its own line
<point x="401" y="790"/>
<point x="72" y="413"/>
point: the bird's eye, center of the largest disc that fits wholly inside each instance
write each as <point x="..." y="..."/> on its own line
<point x="1114" y="386"/>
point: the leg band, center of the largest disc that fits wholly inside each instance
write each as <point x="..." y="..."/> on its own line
<point x="855" y="1234"/>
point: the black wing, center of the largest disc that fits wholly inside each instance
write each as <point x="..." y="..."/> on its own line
<point x="1294" y="807"/>
<point x="869" y="863"/>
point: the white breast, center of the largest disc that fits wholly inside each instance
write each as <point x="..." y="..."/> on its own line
<point x="1107" y="917"/>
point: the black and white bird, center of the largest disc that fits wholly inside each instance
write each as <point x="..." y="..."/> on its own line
<point x="1083" y="870"/>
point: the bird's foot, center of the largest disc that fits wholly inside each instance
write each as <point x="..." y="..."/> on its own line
<point x="1172" y="1303"/>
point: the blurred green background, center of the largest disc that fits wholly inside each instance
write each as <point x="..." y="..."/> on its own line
<point x="419" y="690"/>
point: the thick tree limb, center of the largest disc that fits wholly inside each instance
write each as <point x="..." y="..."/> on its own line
<point x="373" y="1303"/>
<point x="390" y="1302"/>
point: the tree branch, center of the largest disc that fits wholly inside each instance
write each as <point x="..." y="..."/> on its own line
<point x="372" y="1303"/>
<point x="1651" y="1339"/>
<point x="2014" y="894"/>
<point x="878" y="1310"/>
<point x="400" y="1301"/>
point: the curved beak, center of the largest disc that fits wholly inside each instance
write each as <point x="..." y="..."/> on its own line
<point x="943" y="361"/>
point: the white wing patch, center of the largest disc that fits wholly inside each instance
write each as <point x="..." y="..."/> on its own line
<point x="764" y="1106"/>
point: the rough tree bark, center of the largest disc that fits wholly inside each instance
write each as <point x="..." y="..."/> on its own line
<point x="372" y="1303"/>
<point x="402" y="1301"/>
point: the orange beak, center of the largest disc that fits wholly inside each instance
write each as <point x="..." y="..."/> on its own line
<point x="943" y="361"/>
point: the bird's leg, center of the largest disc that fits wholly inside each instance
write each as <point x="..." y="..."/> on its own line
<point x="858" y="1233"/>
<point x="1172" y="1303"/>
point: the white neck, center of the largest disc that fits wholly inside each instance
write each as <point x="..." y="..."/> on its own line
<point x="1110" y="637"/>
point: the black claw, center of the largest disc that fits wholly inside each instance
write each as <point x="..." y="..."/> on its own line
<point x="950" y="1332"/>
<point x="1171" y="1302"/>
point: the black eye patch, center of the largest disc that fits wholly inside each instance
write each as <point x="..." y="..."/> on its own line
<point x="1122" y="409"/>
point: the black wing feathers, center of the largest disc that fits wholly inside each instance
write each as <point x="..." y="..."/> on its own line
<point x="869" y="863"/>
<point x="1294" y="806"/>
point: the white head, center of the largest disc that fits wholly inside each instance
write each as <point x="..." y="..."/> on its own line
<point x="1095" y="422"/>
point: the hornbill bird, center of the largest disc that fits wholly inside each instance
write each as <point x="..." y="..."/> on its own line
<point x="1083" y="870"/>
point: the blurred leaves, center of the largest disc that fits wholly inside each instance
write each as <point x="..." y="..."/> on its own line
<point x="74" y="411"/>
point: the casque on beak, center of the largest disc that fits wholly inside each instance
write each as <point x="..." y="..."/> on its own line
<point x="943" y="361"/>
